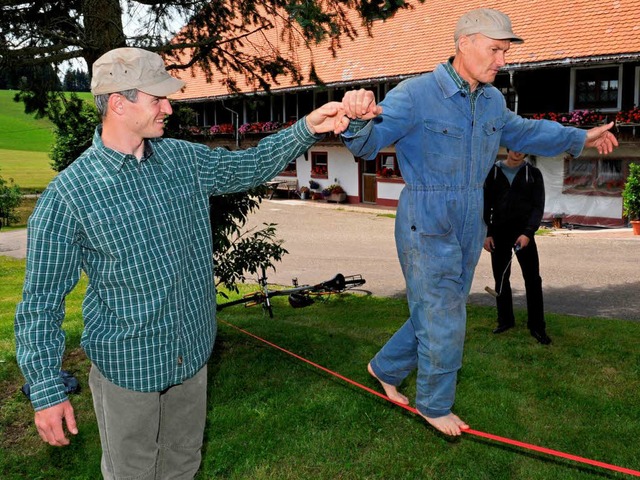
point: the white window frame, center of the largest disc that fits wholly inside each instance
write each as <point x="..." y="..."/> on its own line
<point x="572" y="93"/>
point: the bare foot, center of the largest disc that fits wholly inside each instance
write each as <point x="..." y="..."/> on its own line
<point x="449" y="424"/>
<point x="390" y="390"/>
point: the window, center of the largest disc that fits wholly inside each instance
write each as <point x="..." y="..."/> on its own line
<point x="319" y="162"/>
<point x="596" y="88"/>
<point x="321" y="97"/>
<point x="387" y="87"/>
<point x="305" y="102"/>
<point x="387" y="165"/>
<point x="256" y="109"/>
<point x="290" y="169"/>
<point x="594" y="176"/>
<point x="503" y="83"/>
<point x="290" y="107"/>
<point x="276" y="108"/>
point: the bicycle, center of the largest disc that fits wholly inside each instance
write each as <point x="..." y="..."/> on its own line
<point x="300" y="296"/>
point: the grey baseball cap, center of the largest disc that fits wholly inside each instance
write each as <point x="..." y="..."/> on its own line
<point x="132" y="68"/>
<point x="490" y="23"/>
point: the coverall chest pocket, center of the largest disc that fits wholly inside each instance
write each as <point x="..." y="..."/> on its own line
<point x="492" y="130"/>
<point x="443" y="146"/>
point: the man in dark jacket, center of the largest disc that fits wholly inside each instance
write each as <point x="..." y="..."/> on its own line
<point x="513" y="208"/>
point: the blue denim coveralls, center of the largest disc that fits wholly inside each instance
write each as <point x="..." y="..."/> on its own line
<point x="444" y="154"/>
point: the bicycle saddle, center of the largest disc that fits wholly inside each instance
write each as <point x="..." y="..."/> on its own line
<point x="337" y="283"/>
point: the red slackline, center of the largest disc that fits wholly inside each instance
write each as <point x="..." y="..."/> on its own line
<point x="470" y="431"/>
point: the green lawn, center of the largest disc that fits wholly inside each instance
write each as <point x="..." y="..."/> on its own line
<point x="20" y="131"/>
<point x="272" y="416"/>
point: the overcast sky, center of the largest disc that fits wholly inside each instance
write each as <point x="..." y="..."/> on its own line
<point x="131" y="26"/>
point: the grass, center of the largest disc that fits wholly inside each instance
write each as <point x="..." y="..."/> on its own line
<point x="21" y="131"/>
<point x="274" y="417"/>
<point x="24" y="144"/>
<point x="30" y="170"/>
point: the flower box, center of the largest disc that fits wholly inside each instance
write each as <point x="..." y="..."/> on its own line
<point x="337" y="197"/>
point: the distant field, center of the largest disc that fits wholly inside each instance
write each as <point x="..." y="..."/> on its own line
<point x="24" y="144"/>
<point x="31" y="171"/>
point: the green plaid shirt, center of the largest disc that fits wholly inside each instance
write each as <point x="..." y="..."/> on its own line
<point x="141" y="232"/>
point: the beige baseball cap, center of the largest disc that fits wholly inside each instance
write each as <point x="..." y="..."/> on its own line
<point x="128" y="68"/>
<point x="490" y="23"/>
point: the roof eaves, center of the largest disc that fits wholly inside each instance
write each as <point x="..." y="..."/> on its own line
<point x="577" y="61"/>
<point x="563" y="62"/>
<point x="301" y="88"/>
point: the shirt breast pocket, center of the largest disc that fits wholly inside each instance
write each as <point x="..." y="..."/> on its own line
<point x="119" y="228"/>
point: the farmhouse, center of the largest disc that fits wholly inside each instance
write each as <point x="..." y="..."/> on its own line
<point x="579" y="65"/>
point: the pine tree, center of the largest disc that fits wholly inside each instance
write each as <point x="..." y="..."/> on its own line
<point x="51" y="32"/>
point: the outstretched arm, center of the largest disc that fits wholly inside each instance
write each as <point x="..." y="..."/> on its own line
<point x="601" y="139"/>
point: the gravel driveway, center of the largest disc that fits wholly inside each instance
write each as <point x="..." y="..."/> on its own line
<point x="584" y="272"/>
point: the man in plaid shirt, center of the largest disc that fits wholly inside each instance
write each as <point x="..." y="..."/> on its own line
<point x="132" y="213"/>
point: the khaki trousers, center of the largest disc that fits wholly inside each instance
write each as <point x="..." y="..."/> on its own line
<point x="150" y="436"/>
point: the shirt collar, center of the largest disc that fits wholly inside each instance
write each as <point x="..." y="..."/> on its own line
<point x="115" y="159"/>
<point x="460" y="82"/>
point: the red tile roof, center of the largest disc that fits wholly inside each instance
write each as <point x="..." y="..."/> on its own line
<point x="415" y="41"/>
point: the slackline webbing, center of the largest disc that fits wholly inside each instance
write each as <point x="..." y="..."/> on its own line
<point x="470" y="431"/>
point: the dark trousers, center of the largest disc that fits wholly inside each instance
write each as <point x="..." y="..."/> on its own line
<point x="530" y="265"/>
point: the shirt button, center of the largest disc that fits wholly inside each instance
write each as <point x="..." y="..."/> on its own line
<point x="464" y="95"/>
<point x="413" y="228"/>
<point x="180" y="360"/>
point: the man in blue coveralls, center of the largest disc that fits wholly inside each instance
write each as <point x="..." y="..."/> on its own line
<point x="447" y="127"/>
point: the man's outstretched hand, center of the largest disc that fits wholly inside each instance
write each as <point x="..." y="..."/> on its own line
<point x="329" y="117"/>
<point x="601" y="139"/>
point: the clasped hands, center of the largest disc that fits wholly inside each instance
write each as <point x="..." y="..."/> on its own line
<point x="336" y="116"/>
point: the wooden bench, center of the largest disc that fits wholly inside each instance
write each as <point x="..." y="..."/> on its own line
<point x="288" y="185"/>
